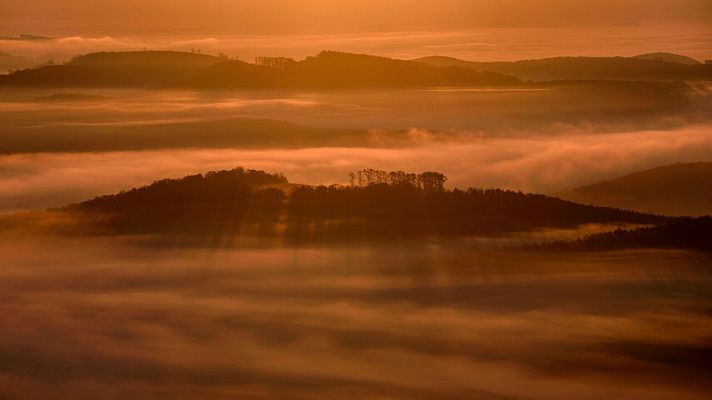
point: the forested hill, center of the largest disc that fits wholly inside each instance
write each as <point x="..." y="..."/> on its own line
<point x="331" y="69"/>
<point x="669" y="57"/>
<point x="680" y="233"/>
<point x="328" y="69"/>
<point x="587" y="68"/>
<point x="677" y="189"/>
<point x="115" y="69"/>
<point x="377" y="203"/>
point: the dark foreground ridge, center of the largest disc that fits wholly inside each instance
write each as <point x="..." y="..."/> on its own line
<point x="375" y="204"/>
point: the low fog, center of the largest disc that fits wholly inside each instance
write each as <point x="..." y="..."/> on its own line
<point x="62" y="147"/>
<point x="539" y="164"/>
<point x="238" y="285"/>
<point x="416" y="320"/>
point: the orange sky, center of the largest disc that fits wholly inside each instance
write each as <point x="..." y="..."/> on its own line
<point x="485" y="29"/>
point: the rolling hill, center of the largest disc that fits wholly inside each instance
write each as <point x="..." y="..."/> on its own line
<point x="115" y="69"/>
<point x="331" y="69"/>
<point x="328" y="69"/>
<point x="678" y="189"/>
<point x="646" y="67"/>
<point x="379" y="205"/>
<point x="388" y="204"/>
<point x="669" y="57"/>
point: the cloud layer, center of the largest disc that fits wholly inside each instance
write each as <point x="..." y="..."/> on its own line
<point x="534" y="163"/>
<point x="399" y="321"/>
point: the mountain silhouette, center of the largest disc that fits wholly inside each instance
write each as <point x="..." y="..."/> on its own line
<point x="377" y="204"/>
<point x="328" y="69"/>
<point x="677" y="189"/>
<point x="596" y="68"/>
<point x="117" y="69"/>
<point x="669" y="57"/>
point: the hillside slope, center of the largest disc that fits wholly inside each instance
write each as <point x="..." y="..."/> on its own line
<point x="604" y="68"/>
<point x="669" y="57"/>
<point x="678" y="189"/>
<point x="175" y="69"/>
<point x="115" y="69"/>
<point x="387" y="204"/>
<point x="330" y="69"/>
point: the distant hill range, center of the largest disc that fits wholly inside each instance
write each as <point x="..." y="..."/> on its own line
<point x="178" y="69"/>
<point x="653" y="66"/>
<point x="678" y="189"/>
<point x="330" y="69"/>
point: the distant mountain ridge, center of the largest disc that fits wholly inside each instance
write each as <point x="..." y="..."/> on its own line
<point x="677" y="189"/>
<point x="331" y="69"/>
<point x="328" y="69"/>
<point x="644" y="67"/>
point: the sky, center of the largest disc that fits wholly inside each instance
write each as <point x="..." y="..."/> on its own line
<point x="483" y="29"/>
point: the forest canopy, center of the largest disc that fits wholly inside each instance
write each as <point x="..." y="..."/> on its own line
<point x="375" y="203"/>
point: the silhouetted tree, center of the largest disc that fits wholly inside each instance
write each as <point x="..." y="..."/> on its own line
<point x="387" y="203"/>
<point x="432" y="181"/>
<point x="275" y="62"/>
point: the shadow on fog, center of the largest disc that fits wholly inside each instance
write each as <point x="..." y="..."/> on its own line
<point x="351" y="321"/>
<point x="310" y="312"/>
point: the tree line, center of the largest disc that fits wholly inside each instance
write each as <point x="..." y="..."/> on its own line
<point x="680" y="232"/>
<point x="429" y="181"/>
<point x="381" y="203"/>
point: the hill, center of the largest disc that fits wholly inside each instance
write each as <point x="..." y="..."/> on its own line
<point x="377" y="204"/>
<point x="681" y="233"/>
<point x="117" y="69"/>
<point x="669" y="57"/>
<point x="331" y="69"/>
<point x="678" y="189"/>
<point x="586" y="68"/>
<point x="175" y="69"/>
